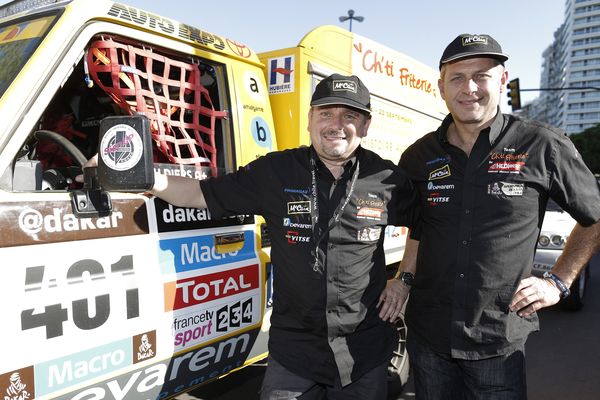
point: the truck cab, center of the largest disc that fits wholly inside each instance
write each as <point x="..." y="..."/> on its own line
<point x="113" y="294"/>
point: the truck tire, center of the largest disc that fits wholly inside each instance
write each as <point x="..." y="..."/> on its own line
<point x="399" y="367"/>
<point x="575" y="300"/>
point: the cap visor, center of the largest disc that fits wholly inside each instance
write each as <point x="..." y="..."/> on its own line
<point x="338" y="101"/>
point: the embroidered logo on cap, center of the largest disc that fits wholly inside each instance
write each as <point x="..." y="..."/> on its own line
<point x="347" y="86"/>
<point x="476" y="39"/>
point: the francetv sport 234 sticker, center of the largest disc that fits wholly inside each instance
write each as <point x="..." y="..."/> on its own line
<point x="121" y="147"/>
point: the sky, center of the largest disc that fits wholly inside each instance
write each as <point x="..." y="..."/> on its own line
<point x="418" y="28"/>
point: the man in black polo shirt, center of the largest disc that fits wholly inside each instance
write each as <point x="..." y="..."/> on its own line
<point x="326" y="207"/>
<point x="484" y="179"/>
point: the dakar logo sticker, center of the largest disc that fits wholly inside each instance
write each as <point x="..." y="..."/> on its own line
<point x="121" y="148"/>
<point x="440" y="173"/>
<point x="17" y="385"/>
<point x="506" y="188"/>
<point x="145" y="345"/>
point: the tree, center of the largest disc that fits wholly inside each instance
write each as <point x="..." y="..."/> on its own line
<point x="588" y="145"/>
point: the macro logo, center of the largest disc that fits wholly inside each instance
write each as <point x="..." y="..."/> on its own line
<point x="344" y="86"/>
<point x="440" y="173"/>
<point x="197" y="252"/>
<point x="73" y="369"/>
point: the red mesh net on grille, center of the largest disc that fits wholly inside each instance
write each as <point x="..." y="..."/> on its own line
<point x="169" y="92"/>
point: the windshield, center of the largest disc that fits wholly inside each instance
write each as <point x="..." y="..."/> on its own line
<point x="18" y="41"/>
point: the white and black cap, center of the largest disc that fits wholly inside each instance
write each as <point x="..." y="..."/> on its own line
<point x="468" y="45"/>
<point x="343" y="90"/>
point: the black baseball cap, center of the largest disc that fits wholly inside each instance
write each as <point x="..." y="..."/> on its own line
<point x="344" y="90"/>
<point x="467" y="45"/>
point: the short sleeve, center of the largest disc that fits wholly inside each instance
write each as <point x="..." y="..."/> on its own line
<point x="236" y="193"/>
<point x="573" y="186"/>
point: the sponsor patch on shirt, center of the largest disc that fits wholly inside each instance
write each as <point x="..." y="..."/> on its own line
<point x="439" y="160"/>
<point x="290" y="224"/>
<point x="298" y="191"/>
<point x="506" y="167"/>
<point x="432" y="186"/>
<point x="372" y="201"/>
<point x="369" y="234"/>
<point x="371" y="213"/>
<point x="506" y="188"/>
<point x="440" y="173"/>
<point x="435" y="199"/>
<point x="294" y="237"/>
<point x="298" y="207"/>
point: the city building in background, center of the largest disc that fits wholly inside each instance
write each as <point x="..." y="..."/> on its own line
<point x="571" y="62"/>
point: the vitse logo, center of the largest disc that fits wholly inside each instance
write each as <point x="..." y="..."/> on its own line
<point x="294" y="237"/>
<point x="435" y="199"/>
<point x="200" y="289"/>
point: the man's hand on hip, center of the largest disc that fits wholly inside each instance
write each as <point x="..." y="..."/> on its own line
<point x="533" y="294"/>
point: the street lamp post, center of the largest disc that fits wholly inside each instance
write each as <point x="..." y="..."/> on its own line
<point x="351" y="17"/>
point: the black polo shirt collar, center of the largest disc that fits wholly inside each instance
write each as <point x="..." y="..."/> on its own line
<point x="495" y="129"/>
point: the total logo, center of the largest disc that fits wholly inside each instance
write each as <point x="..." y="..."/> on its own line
<point x="294" y="237"/>
<point x="434" y="199"/>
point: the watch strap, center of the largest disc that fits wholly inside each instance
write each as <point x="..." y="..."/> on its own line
<point x="564" y="290"/>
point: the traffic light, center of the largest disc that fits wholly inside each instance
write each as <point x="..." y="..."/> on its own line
<point x="514" y="96"/>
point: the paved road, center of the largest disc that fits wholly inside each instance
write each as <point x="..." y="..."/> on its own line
<point x="563" y="359"/>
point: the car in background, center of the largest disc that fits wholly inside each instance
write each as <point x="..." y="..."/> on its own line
<point x="556" y="228"/>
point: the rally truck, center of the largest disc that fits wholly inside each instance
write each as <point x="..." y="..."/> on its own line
<point x="108" y="292"/>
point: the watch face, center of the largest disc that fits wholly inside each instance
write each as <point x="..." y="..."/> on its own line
<point x="407" y="278"/>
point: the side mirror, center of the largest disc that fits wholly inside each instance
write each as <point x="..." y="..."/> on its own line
<point x="125" y="154"/>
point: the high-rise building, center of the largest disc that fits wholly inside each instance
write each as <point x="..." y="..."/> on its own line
<point x="572" y="62"/>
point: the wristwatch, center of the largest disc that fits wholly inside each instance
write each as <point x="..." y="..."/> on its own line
<point x="564" y="290"/>
<point x="406" y="277"/>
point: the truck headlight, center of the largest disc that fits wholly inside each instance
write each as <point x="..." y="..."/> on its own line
<point x="544" y="240"/>
<point x="558" y="240"/>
